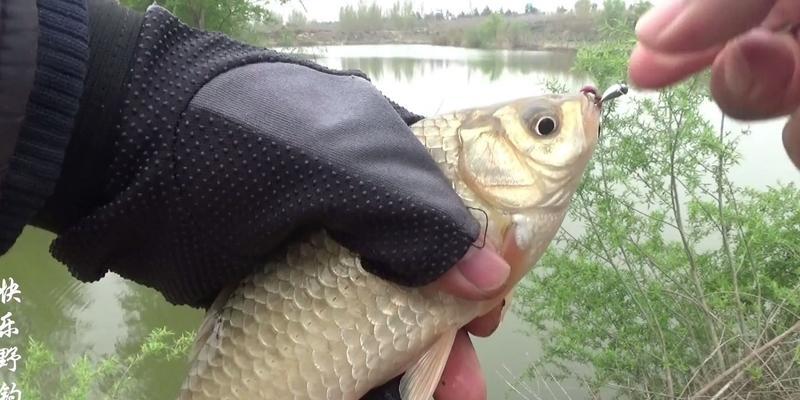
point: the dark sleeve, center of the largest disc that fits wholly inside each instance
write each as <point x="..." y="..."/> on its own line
<point x="19" y="24"/>
<point x="32" y="154"/>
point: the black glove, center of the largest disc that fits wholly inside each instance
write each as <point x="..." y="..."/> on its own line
<point x="195" y="158"/>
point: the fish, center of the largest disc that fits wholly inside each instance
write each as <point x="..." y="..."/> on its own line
<point x="315" y="325"/>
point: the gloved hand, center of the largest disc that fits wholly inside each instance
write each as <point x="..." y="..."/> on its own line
<point x="220" y="152"/>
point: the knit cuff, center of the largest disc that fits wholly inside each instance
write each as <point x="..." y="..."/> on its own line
<point x="38" y="157"/>
<point x="19" y="34"/>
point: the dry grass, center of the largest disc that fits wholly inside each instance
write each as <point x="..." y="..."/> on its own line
<point x="768" y="372"/>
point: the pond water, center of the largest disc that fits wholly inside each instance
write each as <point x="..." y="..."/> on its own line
<point x="112" y="316"/>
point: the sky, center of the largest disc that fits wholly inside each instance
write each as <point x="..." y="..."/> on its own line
<point x="328" y="10"/>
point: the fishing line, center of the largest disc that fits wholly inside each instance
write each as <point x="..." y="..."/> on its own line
<point x="613" y="92"/>
<point x="485" y="229"/>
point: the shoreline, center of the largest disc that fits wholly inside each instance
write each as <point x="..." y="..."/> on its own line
<point x="386" y="38"/>
<point x="563" y="33"/>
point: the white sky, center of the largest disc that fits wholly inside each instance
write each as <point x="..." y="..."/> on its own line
<point x="328" y="10"/>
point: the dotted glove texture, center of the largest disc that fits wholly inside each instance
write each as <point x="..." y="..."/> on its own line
<point x="222" y="152"/>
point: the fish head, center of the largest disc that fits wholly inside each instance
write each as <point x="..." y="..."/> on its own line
<point x="526" y="153"/>
<point x="524" y="160"/>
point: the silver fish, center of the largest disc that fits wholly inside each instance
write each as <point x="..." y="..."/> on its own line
<point x="316" y="325"/>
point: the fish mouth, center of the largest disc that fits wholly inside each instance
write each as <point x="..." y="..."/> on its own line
<point x="592" y="108"/>
<point x="592" y="101"/>
<point x="591" y="92"/>
<point x="592" y="95"/>
<point x="613" y="92"/>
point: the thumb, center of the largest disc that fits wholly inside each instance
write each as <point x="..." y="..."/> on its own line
<point x="480" y="275"/>
<point x="758" y="76"/>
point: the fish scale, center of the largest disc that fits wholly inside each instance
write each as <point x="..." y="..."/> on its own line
<point x="315" y="325"/>
<point x="375" y="341"/>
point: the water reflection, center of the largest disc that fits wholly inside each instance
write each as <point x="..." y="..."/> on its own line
<point x="492" y="64"/>
<point x="407" y="63"/>
<point x="101" y="319"/>
<point x="50" y="300"/>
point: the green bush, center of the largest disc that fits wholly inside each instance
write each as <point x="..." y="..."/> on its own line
<point x="679" y="283"/>
<point x="497" y="32"/>
<point x="43" y="376"/>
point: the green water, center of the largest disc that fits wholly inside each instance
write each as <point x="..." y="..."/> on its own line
<point x="112" y="316"/>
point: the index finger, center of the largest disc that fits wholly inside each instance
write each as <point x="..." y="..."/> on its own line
<point x="694" y="25"/>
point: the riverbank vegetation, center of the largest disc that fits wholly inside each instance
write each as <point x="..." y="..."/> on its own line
<point x="46" y="375"/>
<point x="528" y="28"/>
<point x="401" y="23"/>
<point x="241" y="19"/>
<point x="680" y="283"/>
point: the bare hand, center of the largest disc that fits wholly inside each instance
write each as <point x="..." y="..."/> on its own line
<point x="750" y="45"/>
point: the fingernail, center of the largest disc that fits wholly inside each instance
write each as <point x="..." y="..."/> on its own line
<point x="485" y="269"/>
<point x="738" y="77"/>
<point x="759" y="68"/>
<point x="653" y="24"/>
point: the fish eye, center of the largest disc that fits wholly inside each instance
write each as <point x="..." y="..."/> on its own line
<point x="546" y="126"/>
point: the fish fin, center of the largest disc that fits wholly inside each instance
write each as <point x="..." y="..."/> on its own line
<point x="209" y="325"/>
<point x="421" y="380"/>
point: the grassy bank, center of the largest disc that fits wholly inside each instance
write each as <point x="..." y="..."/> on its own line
<point x="527" y="29"/>
<point x="492" y="31"/>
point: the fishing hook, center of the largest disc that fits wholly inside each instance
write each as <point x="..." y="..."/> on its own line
<point x="613" y="92"/>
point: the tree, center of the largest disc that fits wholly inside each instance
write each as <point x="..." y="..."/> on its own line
<point x="401" y="15"/>
<point x="363" y="18"/>
<point x="530" y="9"/>
<point x="614" y="10"/>
<point x="583" y="7"/>
<point x="296" y="20"/>
<point x="486" y="12"/>
<point x="561" y="10"/>
<point x="638" y="9"/>
<point x="233" y="17"/>
<point x="679" y="283"/>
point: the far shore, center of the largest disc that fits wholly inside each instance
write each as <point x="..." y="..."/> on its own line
<point x="566" y="33"/>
